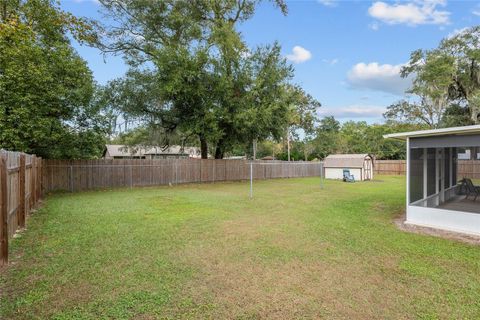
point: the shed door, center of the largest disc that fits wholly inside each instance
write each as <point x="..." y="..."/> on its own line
<point x="368" y="169"/>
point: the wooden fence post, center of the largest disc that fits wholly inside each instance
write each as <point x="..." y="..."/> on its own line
<point x="21" y="193"/>
<point x="3" y="209"/>
<point x="71" y="177"/>
<point x="39" y="178"/>
<point x="33" y="177"/>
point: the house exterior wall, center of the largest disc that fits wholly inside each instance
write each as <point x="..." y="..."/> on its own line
<point x="337" y="173"/>
<point x="457" y="221"/>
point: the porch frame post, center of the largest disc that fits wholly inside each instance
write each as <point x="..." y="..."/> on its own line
<point x="442" y="175"/>
<point x="425" y="176"/>
<point x="408" y="174"/>
<point x="437" y="176"/>
<point x="450" y="161"/>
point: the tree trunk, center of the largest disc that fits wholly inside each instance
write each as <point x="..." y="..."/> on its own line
<point x="474" y="115"/>
<point x="254" y="145"/>
<point x="219" y="153"/>
<point x="203" y="147"/>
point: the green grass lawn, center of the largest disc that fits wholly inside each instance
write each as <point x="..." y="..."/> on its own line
<point x="208" y="251"/>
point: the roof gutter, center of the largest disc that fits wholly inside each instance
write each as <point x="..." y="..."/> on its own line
<point x="434" y="132"/>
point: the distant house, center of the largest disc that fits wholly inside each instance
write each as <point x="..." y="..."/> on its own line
<point x="359" y="165"/>
<point x="118" y="151"/>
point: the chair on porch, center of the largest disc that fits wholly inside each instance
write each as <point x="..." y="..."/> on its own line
<point x="471" y="189"/>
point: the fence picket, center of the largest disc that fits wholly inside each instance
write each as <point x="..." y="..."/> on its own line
<point x="95" y="174"/>
<point x="20" y="191"/>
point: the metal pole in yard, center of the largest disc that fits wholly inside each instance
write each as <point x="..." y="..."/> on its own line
<point x="251" y="180"/>
<point x="321" y="175"/>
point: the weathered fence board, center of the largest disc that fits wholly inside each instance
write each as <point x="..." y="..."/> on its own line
<point x="469" y="168"/>
<point x="390" y="167"/>
<point x="466" y="168"/>
<point x="20" y="191"/>
<point x="78" y="175"/>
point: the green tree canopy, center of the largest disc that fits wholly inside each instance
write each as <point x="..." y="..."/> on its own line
<point x="47" y="94"/>
<point x="192" y="72"/>
<point x="449" y="74"/>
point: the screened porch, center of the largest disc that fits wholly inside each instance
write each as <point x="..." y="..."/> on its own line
<point x="443" y="178"/>
<point x="438" y="177"/>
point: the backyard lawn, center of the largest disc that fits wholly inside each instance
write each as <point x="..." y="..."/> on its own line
<point x="208" y="251"/>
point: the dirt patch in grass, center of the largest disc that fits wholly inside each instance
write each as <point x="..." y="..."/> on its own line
<point x="300" y="288"/>
<point x="462" y="237"/>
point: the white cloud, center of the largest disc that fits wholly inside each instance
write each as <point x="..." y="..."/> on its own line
<point x="374" y="26"/>
<point x="353" y="111"/>
<point x="476" y="11"/>
<point x="411" y="13"/>
<point x="379" y="77"/>
<point x="299" y="55"/>
<point x="329" y="3"/>
<point x="331" y="62"/>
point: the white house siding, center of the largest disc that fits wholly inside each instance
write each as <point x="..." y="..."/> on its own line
<point x="456" y="221"/>
<point x="337" y="173"/>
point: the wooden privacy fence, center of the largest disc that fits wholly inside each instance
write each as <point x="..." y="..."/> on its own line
<point x="20" y="192"/>
<point x="389" y="167"/>
<point x="465" y="168"/>
<point x="78" y="175"/>
<point x="468" y="168"/>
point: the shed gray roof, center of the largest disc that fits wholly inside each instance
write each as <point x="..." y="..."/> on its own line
<point x="345" y="160"/>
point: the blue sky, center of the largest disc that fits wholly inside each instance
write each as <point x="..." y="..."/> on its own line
<point x="347" y="54"/>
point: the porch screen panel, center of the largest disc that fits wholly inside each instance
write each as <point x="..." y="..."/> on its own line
<point x="431" y="171"/>
<point x="447" y="182"/>
<point x="454" y="165"/>
<point x="416" y="174"/>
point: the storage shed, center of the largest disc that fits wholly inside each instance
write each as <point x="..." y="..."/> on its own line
<point x="359" y="165"/>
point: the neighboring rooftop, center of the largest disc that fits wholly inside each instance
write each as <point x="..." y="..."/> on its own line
<point x="119" y="150"/>
<point x="465" y="130"/>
